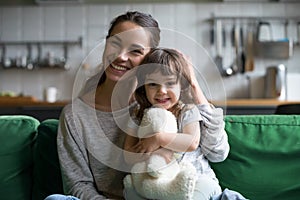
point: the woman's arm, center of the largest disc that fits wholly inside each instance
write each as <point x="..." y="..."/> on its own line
<point x="214" y="141"/>
<point x="131" y="154"/>
<point x="77" y="177"/>
<point x="197" y="92"/>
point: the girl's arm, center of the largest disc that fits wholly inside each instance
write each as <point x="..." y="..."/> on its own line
<point x="188" y="140"/>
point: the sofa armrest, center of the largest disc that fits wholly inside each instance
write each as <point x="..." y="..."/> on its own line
<point x="17" y="136"/>
<point x="263" y="162"/>
<point x="47" y="175"/>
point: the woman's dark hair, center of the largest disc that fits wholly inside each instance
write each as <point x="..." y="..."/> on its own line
<point x="142" y="19"/>
<point x="166" y="61"/>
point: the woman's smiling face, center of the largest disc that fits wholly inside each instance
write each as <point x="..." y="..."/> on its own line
<point x="125" y="49"/>
<point x="162" y="90"/>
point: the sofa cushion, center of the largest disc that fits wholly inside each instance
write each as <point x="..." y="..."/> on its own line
<point x="17" y="135"/>
<point x="263" y="163"/>
<point x="47" y="176"/>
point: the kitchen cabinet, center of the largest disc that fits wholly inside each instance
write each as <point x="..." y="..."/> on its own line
<point x="249" y="110"/>
<point x="39" y="112"/>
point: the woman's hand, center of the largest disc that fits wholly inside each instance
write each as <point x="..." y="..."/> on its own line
<point x="197" y="93"/>
<point x="152" y="145"/>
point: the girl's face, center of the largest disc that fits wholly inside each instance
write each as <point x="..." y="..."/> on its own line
<point x="125" y="49"/>
<point x="162" y="90"/>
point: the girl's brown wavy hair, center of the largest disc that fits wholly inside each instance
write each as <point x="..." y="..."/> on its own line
<point x="168" y="62"/>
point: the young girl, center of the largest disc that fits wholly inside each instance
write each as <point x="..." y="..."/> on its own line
<point x="162" y="81"/>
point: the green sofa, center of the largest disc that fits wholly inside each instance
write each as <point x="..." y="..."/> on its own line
<point x="29" y="164"/>
<point x="263" y="163"/>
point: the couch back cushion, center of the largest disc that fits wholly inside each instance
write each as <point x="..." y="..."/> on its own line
<point x="264" y="159"/>
<point x="47" y="176"/>
<point x="17" y="136"/>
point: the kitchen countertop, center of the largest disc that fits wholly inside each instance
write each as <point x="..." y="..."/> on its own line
<point x="31" y="101"/>
<point x="28" y="101"/>
<point x="44" y="110"/>
<point x="253" y="102"/>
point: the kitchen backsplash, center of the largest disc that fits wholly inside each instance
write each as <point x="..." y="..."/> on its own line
<point x="69" y="22"/>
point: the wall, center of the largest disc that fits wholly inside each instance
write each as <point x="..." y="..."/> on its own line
<point x="68" y="22"/>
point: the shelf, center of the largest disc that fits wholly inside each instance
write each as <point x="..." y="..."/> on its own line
<point x="27" y="62"/>
<point x="255" y="19"/>
<point x="49" y="42"/>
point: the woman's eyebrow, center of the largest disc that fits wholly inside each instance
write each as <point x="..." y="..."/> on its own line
<point x="137" y="46"/>
<point x="116" y="37"/>
<point x="132" y="46"/>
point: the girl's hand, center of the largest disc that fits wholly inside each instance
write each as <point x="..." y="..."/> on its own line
<point x="148" y="145"/>
<point x="166" y="153"/>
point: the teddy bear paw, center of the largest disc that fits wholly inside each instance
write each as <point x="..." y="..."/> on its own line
<point x="156" y="165"/>
<point x="154" y="171"/>
<point x="127" y="181"/>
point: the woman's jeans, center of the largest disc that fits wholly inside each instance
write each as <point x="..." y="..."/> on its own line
<point x="60" y="197"/>
<point x="205" y="189"/>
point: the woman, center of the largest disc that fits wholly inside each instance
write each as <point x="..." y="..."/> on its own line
<point x="89" y="138"/>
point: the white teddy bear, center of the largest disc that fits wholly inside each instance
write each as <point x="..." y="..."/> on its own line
<point x="155" y="178"/>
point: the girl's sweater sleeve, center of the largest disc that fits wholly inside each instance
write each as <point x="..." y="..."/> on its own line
<point x="77" y="177"/>
<point x="214" y="140"/>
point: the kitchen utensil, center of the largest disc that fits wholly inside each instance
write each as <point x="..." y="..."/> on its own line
<point x="5" y="61"/>
<point x="298" y="33"/>
<point x="218" y="58"/>
<point x="264" y="32"/>
<point x="278" y="49"/>
<point x="242" y="55"/>
<point x="275" y="82"/>
<point x="30" y="64"/>
<point x="275" y="49"/>
<point x="220" y="43"/>
<point x="235" y="34"/>
<point x="249" y="60"/>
